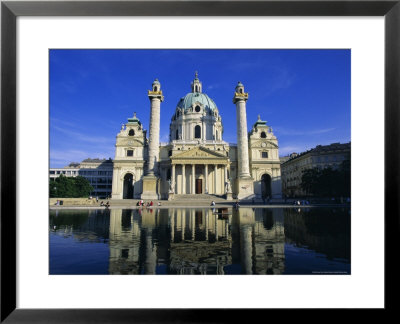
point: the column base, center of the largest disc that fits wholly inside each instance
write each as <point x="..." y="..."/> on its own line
<point x="171" y="196"/>
<point x="150" y="188"/>
<point x="244" y="188"/>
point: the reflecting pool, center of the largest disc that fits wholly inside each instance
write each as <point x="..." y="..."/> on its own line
<point x="200" y="241"/>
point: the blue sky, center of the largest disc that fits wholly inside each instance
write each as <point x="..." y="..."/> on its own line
<point x="304" y="95"/>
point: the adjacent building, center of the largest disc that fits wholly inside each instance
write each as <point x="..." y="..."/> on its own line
<point x="97" y="171"/>
<point x="196" y="160"/>
<point x="322" y="156"/>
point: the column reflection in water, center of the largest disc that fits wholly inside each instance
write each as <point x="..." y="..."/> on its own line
<point x="269" y="242"/>
<point x="149" y="248"/>
<point x="202" y="241"/>
<point x="258" y="240"/>
<point x="189" y="241"/>
<point x="124" y="241"/>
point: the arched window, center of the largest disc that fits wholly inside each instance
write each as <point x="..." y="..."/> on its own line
<point x="155" y="88"/>
<point x="263" y="135"/>
<point x="177" y="134"/>
<point x="241" y="90"/>
<point x="131" y="132"/>
<point x="197" y="108"/>
<point x="197" y="132"/>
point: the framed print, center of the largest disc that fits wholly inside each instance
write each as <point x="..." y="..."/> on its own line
<point x="349" y="50"/>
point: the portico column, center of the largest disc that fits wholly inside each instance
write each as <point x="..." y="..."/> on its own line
<point x="173" y="176"/>
<point x="183" y="180"/>
<point x="206" y="178"/>
<point x="215" y="178"/>
<point x="193" y="178"/>
<point x="225" y="174"/>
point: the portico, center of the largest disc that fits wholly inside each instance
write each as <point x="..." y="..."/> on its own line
<point x="199" y="171"/>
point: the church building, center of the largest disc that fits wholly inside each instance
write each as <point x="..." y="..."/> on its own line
<point x="196" y="160"/>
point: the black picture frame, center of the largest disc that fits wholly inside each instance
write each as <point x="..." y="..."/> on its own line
<point x="10" y="10"/>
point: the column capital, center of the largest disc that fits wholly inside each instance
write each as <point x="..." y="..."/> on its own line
<point x="155" y="95"/>
<point x="155" y="92"/>
<point x="240" y="97"/>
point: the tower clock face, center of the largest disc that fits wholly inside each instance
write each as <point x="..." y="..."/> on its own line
<point x="130" y="142"/>
<point x="264" y="144"/>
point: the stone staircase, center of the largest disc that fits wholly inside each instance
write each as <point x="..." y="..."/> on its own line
<point x="200" y="197"/>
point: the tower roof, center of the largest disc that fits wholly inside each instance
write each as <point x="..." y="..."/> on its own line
<point x="260" y="122"/>
<point x="134" y="120"/>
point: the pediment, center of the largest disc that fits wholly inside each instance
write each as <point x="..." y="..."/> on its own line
<point x="199" y="153"/>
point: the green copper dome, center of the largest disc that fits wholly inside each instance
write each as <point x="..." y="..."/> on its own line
<point x="193" y="97"/>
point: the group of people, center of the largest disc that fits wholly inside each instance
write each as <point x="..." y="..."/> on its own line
<point x="141" y="203"/>
<point x="107" y="204"/>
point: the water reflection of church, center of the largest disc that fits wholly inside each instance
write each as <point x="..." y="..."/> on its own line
<point x="191" y="241"/>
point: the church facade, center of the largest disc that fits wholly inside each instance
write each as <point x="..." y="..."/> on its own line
<point x="196" y="160"/>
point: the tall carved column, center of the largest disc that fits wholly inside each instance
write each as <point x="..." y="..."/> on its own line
<point x="244" y="180"/>
<point x="156" y="97"/>
<point x="150" y="180"/>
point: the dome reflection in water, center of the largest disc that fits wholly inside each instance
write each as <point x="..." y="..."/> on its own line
<point x="200" y="241"/>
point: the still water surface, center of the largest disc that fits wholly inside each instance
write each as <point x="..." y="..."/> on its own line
<point x="200" y="241"/>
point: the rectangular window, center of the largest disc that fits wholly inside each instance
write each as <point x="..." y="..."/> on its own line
<point x="129" y="153"/>
<point x="264" y="154"/>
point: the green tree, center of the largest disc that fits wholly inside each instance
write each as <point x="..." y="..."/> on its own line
<point x="82" y="186"/>
<point x="309" y="181"/>
<point x="68" y="187"/>
<point x="327" y="182"/>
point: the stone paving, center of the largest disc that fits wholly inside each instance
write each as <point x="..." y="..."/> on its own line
<point x="193" y="203"/>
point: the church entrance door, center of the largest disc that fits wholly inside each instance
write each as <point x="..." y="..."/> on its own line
<point x="266" y="186"/>
<point x="199" y="186"/>
<point x="128" y="186"/>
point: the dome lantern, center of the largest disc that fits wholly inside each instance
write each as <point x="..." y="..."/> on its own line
<point x="196" y="84"/>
